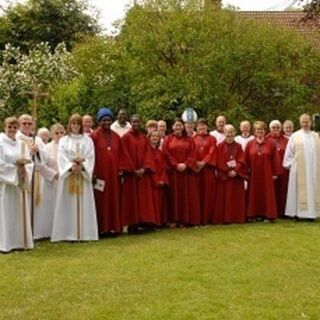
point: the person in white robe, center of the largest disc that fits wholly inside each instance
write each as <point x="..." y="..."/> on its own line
<point x="44" y="134"/>
<point x="245" y="135"/>
<point x="121" y="126"/>
<point x="42" y="213"/>
<point x="302" y="158"/>
<point x="48" y="187"/>
<point x="15" y="177"/>
<point x="219" y="132"/>
<point x="87" y="123"/>
<point x="288" y="128"/>
<point x="75" y="212"/>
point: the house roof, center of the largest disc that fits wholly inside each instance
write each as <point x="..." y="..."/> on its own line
<point x="287" y="19"/>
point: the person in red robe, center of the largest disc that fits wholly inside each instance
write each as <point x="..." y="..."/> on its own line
<point x="108" y="147"/>
<point x="206" y="147"/>
<point x="159" y="178"/>
<point x="180" y="152"/>
<point x="280" y="184"/>
<point x="232" y="170"/>
<point x="137" y="206"/>
<point x="264" y="166"/>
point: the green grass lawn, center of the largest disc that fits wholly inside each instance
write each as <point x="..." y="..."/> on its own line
<point x="252" y="271"/>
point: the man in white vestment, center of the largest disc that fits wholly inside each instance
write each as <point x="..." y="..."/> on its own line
<point x="121" y="126"/>
<point x="302" y="157"/>
<point x="219" y="132"/>
<point x="43" y="215"/>
<point x="245" y="135"/>
<point x="87" y="123"/>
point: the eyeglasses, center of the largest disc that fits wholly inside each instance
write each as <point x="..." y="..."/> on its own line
<point x="27" y="123"/>
<point x="12" y="127"/>
<point x="60" y="132"/>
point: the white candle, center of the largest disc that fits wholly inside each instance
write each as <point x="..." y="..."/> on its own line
<point x="23" y="150"/>
<point x="77" y="149"/>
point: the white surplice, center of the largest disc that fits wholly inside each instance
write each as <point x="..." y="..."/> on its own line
<point x="220" y="136"/>
<point x="243" y="140"/>
<point x="120" y="130"/>
<point x="15" y="222"/>
<point x="44" y="175"/>
<point x="72" y="208"/>
<point x="310" y="141"/>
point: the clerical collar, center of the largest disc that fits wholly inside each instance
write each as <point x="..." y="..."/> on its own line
<point x="245" y="137"/>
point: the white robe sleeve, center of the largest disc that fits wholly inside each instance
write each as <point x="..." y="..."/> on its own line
<point x="64" y="163"/>
<point x="289" y="156"/>
<point x="89" y="157"/>
<point x="8" y="171"/>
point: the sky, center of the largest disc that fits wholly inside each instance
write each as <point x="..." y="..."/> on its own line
<point x="112" y="10"/>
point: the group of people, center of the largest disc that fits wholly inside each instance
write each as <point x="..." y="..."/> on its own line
<point x="115" y="178"/>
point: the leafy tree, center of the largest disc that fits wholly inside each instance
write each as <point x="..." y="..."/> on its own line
<point x="52" y="21"/>
<point x="27" y="79"/>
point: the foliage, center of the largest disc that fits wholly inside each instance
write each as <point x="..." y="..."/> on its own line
<point x="32" y="75"/>
<point x="172" y="54"/>
<point x="54" y="21"/>
<point x="251" y="271"/>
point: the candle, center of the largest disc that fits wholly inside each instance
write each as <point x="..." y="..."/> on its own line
<point x="77" y="149"/>
<point x="23" y="150"/>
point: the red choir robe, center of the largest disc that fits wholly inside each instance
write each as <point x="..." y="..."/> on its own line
<point x="137" y="205"/>
<point x="281" y="184"/>
<point x="231" y="195"/>
<point x="263" y="163"/>
<point x="160" y="182"/>
<point x="108" y="148"/>
<point x="206" y="147"/>
<point x="184" y="202"/>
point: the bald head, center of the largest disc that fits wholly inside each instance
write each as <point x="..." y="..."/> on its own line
<point x="305" y="122"/>
<point x="220" y="123"/>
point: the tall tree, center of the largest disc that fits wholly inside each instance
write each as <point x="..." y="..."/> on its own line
<point x="53" y="21"/>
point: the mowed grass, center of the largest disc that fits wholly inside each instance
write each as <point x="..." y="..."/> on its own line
<point x="252" y="271"/>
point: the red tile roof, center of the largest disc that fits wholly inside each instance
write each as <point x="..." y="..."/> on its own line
<point x="287" y="19"/>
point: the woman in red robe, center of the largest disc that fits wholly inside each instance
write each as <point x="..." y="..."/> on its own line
<point x="137" y="206"/>
<point x="231" y="196"/>
<point x="264" y="166"/>
<point x="107" y="146"/>
<point x="159" y="178"/>
<point x="206" y="147"/>
<point x="180" y="152"/>
<point x="280" y="184"/>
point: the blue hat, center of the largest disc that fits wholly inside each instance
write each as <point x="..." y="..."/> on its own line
<point x="104" y="112"/>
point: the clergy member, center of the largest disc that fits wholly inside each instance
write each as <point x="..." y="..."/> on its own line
<point x="121" y="126"/>
<point x="75" y="212"/>
<point x="280" y="184"/>
<point x="137" y="205"/>
<point x="15" y="178"/>
<point x="218" y="133"/>
<point x="108" y="149"/>
<point x="230" y="199"/>
<point x="42" y="213"/>
<point x="206" y="147"/>
<point x="302" y="158"/>
<point x="180" y="152"/>
<point x="245" y="135"/>
<point x="264" y="167"/>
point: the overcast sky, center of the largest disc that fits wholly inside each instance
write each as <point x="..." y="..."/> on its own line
<point x="112" y="10"/>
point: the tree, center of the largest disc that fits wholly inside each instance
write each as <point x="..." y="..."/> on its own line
<point x="26" y="79"/>
<point x="52" y="21"/>
<point x="173" y="54"/>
